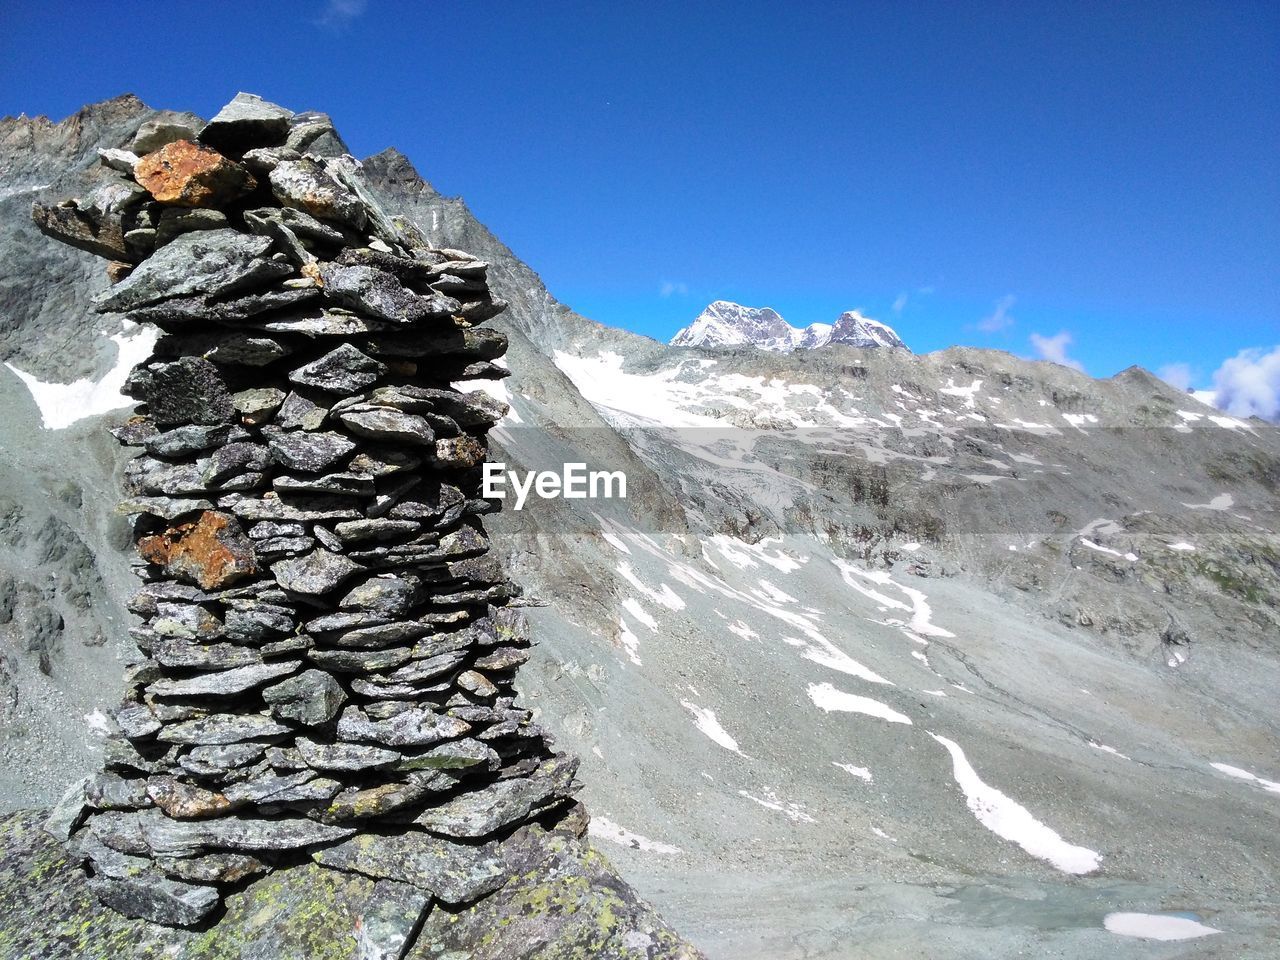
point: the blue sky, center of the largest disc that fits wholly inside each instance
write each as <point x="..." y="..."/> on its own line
<point x="1106" y="172"/>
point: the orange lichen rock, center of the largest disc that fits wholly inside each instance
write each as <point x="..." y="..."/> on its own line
<point x="213" y="552"/>
<point x="188" y="174"/>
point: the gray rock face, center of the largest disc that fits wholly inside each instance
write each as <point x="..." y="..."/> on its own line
<point x="306" y="185"/>
<point x="346" y="757"/>
<point x="310" y="452"/>
<point x="344" y="370"/>
<point x="379" y="294"/>
<point x="222" y="729"/>
<point x="387" y="423"/>
<point x="192" y="438"/>
<point x="391" y="595"/>
<point x="258" y="405"/>
<point x="311" y="698"/>
<point x="197" y="313"/>
<point x="300" y="413"/>
<point x="235" y="459"/>
<point x="174" y="222"/>
<point x="564" y="900"/>
<point x="165" y="837"/>
<point x="204" y="656"/>
<point x="478" y="813"/>
<point x="296" y="789"/>
<point x="158" y="131"/>
<point x="225" y="683"/>
<point x="249" y="621"/>
<point x="154" y="897"/>
<point x="69" y="812"/>
<point x="207" y="263"/>
<point x="230" y="348"/>
<point x="417" y="727"/>
<point x="248" y="120"/>
<point x="210" y="760"/>
<point x="301" y="225"/>
<point x="317" y="573"/>
<point x="451" y="872"/>
<point x="187" y="391"/>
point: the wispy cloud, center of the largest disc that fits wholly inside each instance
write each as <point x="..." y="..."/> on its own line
<point x="339" y="13"/>
<point x="1248" y="384"/>
<point x="1055" y="349"/>
<point x="1179" y="375"/>
<point x="670" y="288"/>
<point x="1000" y="318"/>
<point x="906" y="296"/>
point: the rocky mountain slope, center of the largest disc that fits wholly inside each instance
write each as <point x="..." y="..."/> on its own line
<point x="727" y="324"/>
<point x="882" y="654"/>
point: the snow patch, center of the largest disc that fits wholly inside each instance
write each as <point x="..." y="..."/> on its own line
<point x="602" y="828"/>
<point x="1269" y="785"/>
<point x="1155" y="926"/>
<point x="862" y="773"/>
<point x="1131" y="557"/>
<point x="1223" y="501"/>
<point x="968" y="394"/>
<point x="1008" y="819"/>
<point x="98" y="723"/>
<point x="630" y="643"/>
<point x="705" y="720"/>
<point x="792" y="810"/>
<point x="632" y="606"/>
<point x="665" y="595"/>
<point x="1105" y="749"/>
<point x="746" y="555"/>
<point x="828" y="698"/>
<point x="62" y="404"/>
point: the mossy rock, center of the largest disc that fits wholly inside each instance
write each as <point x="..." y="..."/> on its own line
<point x="564" y="902"/>
<point x="47" y="911"/>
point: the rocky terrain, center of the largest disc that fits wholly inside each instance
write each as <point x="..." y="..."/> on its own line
<point x="726" y="324"/>
<point x="884" y="655"/>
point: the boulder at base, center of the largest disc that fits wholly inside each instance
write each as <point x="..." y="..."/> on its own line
<point x="564" y="902"/>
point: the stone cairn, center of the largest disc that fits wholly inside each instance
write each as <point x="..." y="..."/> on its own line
<point x="330" y="647"/>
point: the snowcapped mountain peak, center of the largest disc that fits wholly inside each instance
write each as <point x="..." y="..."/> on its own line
<point x="728" y="324"/>
<point x="858" y="330"/>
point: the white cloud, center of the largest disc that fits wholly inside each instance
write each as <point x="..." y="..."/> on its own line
<point x="1000" y="318"/>
<point x="906" y="296"/>
<point x="1248" y="384"/>
<point x="338" y="13"/>
<point x="1055" y="349"/>
<point x="669" y="289"/>
<point x="1177" y="375"/>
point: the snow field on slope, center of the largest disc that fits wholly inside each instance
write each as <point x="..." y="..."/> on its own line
<point x="62" y="404"/>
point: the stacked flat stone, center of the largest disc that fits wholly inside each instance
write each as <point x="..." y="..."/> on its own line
<point x="330" y="647"/>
